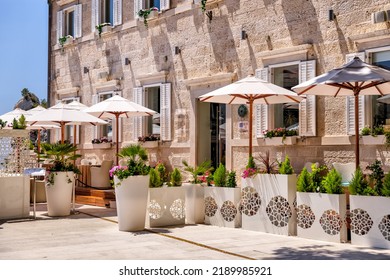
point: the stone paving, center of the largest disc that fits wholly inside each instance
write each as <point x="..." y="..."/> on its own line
<point x="92" y="234"/>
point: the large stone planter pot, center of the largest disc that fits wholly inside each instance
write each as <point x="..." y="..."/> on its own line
<point x="59" y="195"/>
<point x="221" y="206"/>
<point x="321" y="216"/>
<point x="370" y="221"/>
<point x="268" y="203"/>
<point x="14" y="196"/>
<point x="166" y="207"/>
<point x="194" y="198"/>
<point x="131" y="202"/>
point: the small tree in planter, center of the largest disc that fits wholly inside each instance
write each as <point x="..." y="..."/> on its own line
<point x="231" y="180"/>
<point x="131" y="184"/>
<point x="220" y="176"/>
<point x="175" y="178"/>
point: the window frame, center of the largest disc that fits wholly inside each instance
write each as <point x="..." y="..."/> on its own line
<point x="63" y="22"/>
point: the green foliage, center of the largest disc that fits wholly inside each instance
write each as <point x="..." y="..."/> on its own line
<point x="176" y="178"/>
<point x="136" y="157"/>
<point x="376" y="176"/>
<point x="285" y="166"/>
<point x="231" y="180"/>
<point x="317" y="175"/>
<point x="2" y="123"/>
<point x="197" y="170"/>
<point x="269" y="166"/>
<point x="385" y="191"/>
<point x="332" y="182"/>
<point x="19" y="124"/>
<point x="154" y="178"/>
<point x="220" y="176"/>
<point x="359" y="184"/>
<point x="99" y="27"/>
<point x="365" y="131"/>
<point x="203" y="5"/>
<point x="304" y="181"/>
<point x="61" y="155"/>
<point x="162" y="171"/>
<point x="144" y="13"/>
<point x="251" y="163"/>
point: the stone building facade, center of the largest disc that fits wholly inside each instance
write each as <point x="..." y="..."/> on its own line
<point x="184" y="52"/>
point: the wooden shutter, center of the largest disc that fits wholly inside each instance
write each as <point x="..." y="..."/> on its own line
<point x="350" y="103"/>
<point x="138" y="121"/>
<point x="60" y="16"/>
<point x="261" y="110"/>
<point x="307" y="107"/>
<point x="117" y="12"/>
<point x="78" y="12"/>
<point x="138" y="5"/>
<point x="165" y="112"/>
<point x="94" y="14"/>
<point x="164" y="5"/>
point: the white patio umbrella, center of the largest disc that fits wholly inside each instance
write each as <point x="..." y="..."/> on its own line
<point x="354" y="78"/>
<point x="61" y="114"/>
<point x="118" y="107"/>
<point x="14" y="114"/>
<point x="251" y="90"/>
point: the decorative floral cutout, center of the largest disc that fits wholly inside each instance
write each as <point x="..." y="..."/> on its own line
<point x="305" y="216"/>
<point x="211" y="206"/>
<point x="228" y="211"/>
<point x="155" y="210"/>
<point x="177" y="209"/>
<point x="331" y="222"/>
<point x="384" y="227"/>
<point x="361" y="222"/>
<point x="250" y="201"/>
<point x="279" y="211"/>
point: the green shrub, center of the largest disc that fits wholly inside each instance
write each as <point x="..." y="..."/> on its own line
<point x="231" y="180"/>
<point x="160" y="167"/>
<point x="385" y="191"/>
<point x="304" y="181"/>
<point x="376" y="176"/>
<point x="317" y="175"/>
<point x="176" y="178"/>
<point x="154" y="179"/>
<point x="220" y="176"/>
<point x="359" y="184"/>
<point x="251" y="163"/>
<point x="285" y="166"/>
<point x="332" y="182"/>
<point x="196" y="171"/>
<point x="365" y="131"/>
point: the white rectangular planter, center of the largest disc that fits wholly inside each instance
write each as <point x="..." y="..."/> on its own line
<point x="279" y="141"/>
<point x="373" y="140"/>
<point x="166" y="207"/>
<point x="194" y="198"/>
<point x="321" y="216"/>
<point x="370" y="220"/>
<point x="221" y="206"/>
<point x="268" y="203"/>
<point x="14" y="197"/>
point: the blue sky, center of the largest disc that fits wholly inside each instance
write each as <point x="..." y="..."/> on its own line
<point x="23" y="50"/>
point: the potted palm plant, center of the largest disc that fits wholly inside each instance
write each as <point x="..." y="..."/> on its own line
<point x="60" y="177"/>
<point x="131" y="184"/>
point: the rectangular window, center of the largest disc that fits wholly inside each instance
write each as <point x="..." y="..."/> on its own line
<point x="152" y="101"/>
<point x="107" y="11"/>
<point x="105" y="130"/>
<point x="69" y="23"/>
<point x="153" y="3"/>
<point x="69" y="129"/>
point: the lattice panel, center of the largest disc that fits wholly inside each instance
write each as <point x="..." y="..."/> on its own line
<point x="384" y="227"/>
<point x="155" y="210"/>
<point x="228" y="211"/>
<point x="177" y="209"/>
<point x="331" y="222"/>
<point x="250" y="201"/>
<point x="305" y="216"/>
<point x="279" y="211"/>
<point x="211" y="206"/>
<point x="361" y="222"/>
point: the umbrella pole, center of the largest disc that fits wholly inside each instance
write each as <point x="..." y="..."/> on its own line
<point x="39" y="144"/>
<point x="357" y="160"/>
<point x="62" y="133"/>
<point x="117" y="137"/>
<point x="250" y="125"/>
<point x="74" y="143"/>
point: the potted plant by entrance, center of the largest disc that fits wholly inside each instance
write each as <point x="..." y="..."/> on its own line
<point x="222" y="200"/>
<point x="131" y="184"/>
<point x="194" y="191"/>
<point x="321" y="205"/>
<point x="166" y="201"/>
<point x="60" y="177"/>
<point x="370" y="207"/>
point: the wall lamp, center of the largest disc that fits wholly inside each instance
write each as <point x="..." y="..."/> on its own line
<point x="243" y="35"/>
<point x="331" y="15"/>
<point x="177" y="50"/>
<point x="127" y="61"/>
<point x="86" y="70"/>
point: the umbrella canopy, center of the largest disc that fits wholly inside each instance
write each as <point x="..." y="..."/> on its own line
<point x="80" y="107"/>
<point x="14" y="114"/>
<point x="118" y="107"/>
<point x="354" y="78"/>
<point x="62" y="114"/>
<point x="251" y="90"/>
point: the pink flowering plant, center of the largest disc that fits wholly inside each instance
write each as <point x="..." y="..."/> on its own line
<point x="279" y="132"/>
<point x="249" y="172"/>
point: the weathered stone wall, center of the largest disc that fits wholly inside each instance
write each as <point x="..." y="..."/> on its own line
<point x="209" y="48"/>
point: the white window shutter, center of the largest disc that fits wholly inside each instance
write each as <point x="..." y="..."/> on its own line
<point x="261" y="119"/>
<point x="138" y="5"/>
<point x="138" y="121"/>
<point x="95" y="99"/>
<point x="60" y="16"/>
<point x="117" y="12"/>
<point x="78" y="20"/>
<point x="350" y="105"/>
<point x="164" y="5"/>
<point x="262" y="74"/>
<point x="94" y="14"/>
<point x="307" y="107"/>
<point x="165" y="112"/>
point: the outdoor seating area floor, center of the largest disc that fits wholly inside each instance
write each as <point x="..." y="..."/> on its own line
<point x="92" y="234"/>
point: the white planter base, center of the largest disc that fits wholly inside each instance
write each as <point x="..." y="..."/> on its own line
<point x="59" y="195"/>
<point x="166" y="207"/>
<point x="14" y="197"/>
<point x="322" y="216"/>
<point x="370" y="221"/>
<point x="194" y="198"/>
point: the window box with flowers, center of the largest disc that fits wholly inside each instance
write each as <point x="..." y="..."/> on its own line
<point x="146" y="14"/>
<point x="103" y="28"/>
<point x="65" y="40"/>
<point x="150" y="141"/>
<point x="280" y="136"/>
<point x="102" y="143"/>
<point x="375" y="136"/>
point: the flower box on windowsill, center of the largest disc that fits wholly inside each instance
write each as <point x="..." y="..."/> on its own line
<point x="373" y="140"/>
<point x="153" y="14"/>
<point x="149" y="144"/>
<point x="102" y="146"/>
<point x="106" y="28"/>
<point x="279" y="141"/>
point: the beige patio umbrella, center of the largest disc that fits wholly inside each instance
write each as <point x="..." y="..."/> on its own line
<point x="118" y="107"/>
<point x="14" y="114"/>
<point x="251" y="90"/>
<point x="354" y="78"/>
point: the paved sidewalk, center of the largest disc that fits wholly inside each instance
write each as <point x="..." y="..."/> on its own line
<point x="93" y="234"/>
